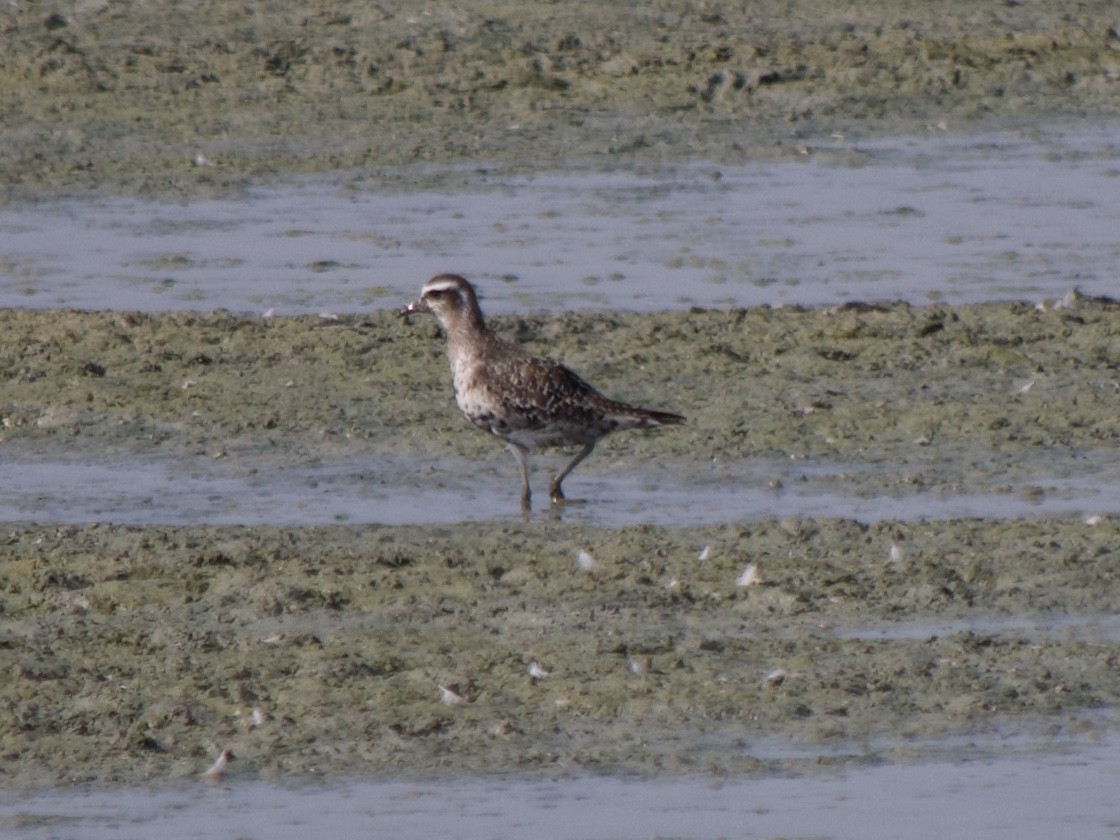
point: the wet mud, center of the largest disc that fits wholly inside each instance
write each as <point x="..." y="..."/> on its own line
<point x="937" y="386"/>
<point x="168" y="100"/>
<point x="139" y="653"/>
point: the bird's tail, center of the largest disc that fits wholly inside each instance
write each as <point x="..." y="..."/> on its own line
<point x="644" y="418"/>
<point x="662" y="418"/>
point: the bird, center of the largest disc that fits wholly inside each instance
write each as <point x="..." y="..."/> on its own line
<point x="527" y="401"/>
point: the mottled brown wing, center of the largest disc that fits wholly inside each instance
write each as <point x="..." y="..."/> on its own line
<point x="543" y="392"/>
<point x="536" y="392"/>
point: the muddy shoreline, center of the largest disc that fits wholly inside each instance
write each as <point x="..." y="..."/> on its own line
<point x="890" y="383"/>
<point x="137" y="654"/>
<point x="150" y="98"/>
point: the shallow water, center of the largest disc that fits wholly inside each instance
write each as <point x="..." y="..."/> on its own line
<point x="406" y="491"/>
<point x="949" y="218"/>
<point x="1055" y="792"/>
<point x="944" y="217"/>
<point x="1092" y="627"/>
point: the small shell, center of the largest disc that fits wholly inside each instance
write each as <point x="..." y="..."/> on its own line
<point x="451" y="698"/>
<point x="586" y="561"/>
<point x="778" y="676"/>
<point x="218" y="768"/>
<point x="750" y="576"/>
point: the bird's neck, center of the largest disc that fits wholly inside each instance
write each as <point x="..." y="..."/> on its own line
<point x="467" y="334"/>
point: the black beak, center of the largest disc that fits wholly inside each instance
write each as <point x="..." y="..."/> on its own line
<point x="417" y="307"/>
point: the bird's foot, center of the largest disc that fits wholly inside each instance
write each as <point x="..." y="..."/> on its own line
<point x="564" y="501"/>
<point x="557" y="497"/>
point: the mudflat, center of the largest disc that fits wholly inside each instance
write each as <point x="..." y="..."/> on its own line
<point x="138" y="654"/>
<point x="166" y="99"/>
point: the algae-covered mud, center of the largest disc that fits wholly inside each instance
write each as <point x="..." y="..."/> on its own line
<point x="167" y="98"/>
<point x="943" y="387"/>
<point x="136" y="655"/>
<point x="139" y="653"/>
<point x="754" y="643"/>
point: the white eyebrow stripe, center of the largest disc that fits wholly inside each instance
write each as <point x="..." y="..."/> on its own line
<point x="441" y="286"/>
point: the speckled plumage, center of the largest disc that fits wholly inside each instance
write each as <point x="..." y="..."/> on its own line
<point x="525" y="400"/>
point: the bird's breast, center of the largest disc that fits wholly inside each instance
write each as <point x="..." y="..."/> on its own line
<point x="466" y="378"/>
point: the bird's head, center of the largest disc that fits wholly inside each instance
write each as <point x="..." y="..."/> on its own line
<point x="447" y="296"/>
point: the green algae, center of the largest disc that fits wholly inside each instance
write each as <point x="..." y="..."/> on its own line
<point x="166" y="99"/>
<point x="136" y="654"/>
<point x="891" y="384"/>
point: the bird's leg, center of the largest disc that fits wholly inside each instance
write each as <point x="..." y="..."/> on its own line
<point x="522" y="456"/>
<point x="554" y="491"/>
